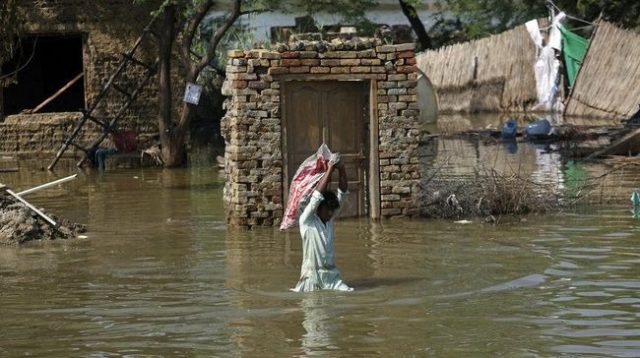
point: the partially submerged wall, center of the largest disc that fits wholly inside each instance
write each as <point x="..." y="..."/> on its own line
<point x="491" y="74"/>
<point x="608" y="83"/>
<point x="252" y="127"/>
<point x="108" y="29"/>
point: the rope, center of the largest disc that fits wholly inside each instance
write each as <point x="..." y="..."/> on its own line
<point x="550" y="3"/>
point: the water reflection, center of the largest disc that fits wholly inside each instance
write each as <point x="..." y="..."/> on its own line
<point x="465" y="156"/>
<point x="319" y="323"/>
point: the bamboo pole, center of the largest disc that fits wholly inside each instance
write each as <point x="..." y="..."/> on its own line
<point x="59" y="92"/>
<point x="47" y="185"/>
<point x="33" y="208"/>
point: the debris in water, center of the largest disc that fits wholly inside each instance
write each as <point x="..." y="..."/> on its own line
<point x="19" y="224"/>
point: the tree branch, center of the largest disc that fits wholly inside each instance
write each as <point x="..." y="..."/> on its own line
<point x="217" y="36"/>
<point x="416" y="24"/>
<point x="190" y="32"/>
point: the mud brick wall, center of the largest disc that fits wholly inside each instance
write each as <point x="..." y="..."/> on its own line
<point x="108" y="29"/>
<point x="252" y="126"/>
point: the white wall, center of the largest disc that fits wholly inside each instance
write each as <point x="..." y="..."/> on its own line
<point x="389" y="13"/>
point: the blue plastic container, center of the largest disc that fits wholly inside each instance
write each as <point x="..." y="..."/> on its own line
<point x="509" y="130"/>
<point x="538" y="128"/>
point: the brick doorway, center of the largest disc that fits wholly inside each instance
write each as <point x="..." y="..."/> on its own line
<point x="335" y="113"/>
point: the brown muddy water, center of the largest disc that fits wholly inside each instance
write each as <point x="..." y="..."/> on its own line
<point x="160" y="275"/>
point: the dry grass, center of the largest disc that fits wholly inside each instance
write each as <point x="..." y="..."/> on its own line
<point x="488" y="194"/>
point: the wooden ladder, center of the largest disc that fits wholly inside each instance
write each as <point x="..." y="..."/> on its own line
<point x="108" y="124"/>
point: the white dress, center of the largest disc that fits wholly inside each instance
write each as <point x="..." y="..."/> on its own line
<point x="318" y="271"/>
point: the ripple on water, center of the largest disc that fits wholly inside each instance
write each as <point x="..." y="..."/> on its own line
<point x="604" y="351"/>
<point x="161" y="275"/>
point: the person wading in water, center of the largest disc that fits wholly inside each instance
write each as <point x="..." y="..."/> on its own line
<point x="318" y="271"/>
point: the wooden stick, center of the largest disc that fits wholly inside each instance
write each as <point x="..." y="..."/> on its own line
<point x="64" y="88"/>
<point x="47" y="185"/>
<point x="33" y="208"/>
<point x="8" y="170"/>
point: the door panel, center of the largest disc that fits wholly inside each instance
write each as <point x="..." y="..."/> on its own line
<point x="333" y="113"/>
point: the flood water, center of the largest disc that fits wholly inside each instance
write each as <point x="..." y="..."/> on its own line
<point x="160" y="275"/>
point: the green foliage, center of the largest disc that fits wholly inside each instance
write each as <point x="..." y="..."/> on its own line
<point x="351" y="11"/>
<point x="625" y="13"/>
<point x="474" y="19"/>
<point x="10" y="30"/>
<point x="239" y="36"/>
<point x="461" y="20"/>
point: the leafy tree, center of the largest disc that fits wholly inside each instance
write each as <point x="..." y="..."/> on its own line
<point x="181" y="25"/>
<point x="471" y="19"/>
<point x="10" y="30"/>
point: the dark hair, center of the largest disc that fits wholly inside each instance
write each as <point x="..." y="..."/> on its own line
<point x="330" y="200"/>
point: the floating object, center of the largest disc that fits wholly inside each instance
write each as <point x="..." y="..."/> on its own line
<point x="635" y="204"/>
<point x="509" y="130"/>
<point x="463" y="222"/>
<point x="537" y="129"/>
<point x="625" y="145"/>
<point x="8" y="170"/>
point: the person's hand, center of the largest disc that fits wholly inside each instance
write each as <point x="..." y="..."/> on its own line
<point x="335" y="158"/>
<point x="330" y="165"/>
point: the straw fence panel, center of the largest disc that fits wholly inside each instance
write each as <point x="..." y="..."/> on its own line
<point x="491" y="74"/>
<point x="608" y="84"/>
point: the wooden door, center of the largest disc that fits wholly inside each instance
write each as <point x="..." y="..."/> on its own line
<point x="334" y="113"/>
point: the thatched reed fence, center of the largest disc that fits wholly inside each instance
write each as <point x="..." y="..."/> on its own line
<point x="491" y="74"/>
<point x="608" y="83"/>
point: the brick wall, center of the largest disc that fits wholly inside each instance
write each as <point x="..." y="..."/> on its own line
<point x="108" y="28"/>
<point x="252" y="124"/>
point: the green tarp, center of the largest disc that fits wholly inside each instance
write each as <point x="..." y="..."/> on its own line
<point x="573" y="48"/>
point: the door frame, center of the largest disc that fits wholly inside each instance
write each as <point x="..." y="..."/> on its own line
<point x="372" y="178"/>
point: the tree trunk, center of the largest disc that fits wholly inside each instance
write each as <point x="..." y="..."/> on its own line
<point x="170" y="141"/>
<point x="173" y="133"/>
<point x="174" y="153"/>
<point x="416" y="24"/>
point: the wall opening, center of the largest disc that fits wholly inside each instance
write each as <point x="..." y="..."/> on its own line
<point x="45" y="65"/>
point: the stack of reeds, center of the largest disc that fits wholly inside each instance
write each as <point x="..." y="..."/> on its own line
<point x="491" y="74"/>
<point x="608" y="84"/>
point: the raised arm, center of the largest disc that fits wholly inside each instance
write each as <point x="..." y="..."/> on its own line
<point x="317" y="195"/>
<point x="326" y="178"/>
<point x="342" y="181"/>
